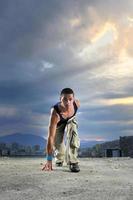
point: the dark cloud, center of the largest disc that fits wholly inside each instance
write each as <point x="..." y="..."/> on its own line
<point x="114" y="113"/>
<point x="39" y="56"/>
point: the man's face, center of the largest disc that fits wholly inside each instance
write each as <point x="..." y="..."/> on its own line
<point x="67" y="99"/>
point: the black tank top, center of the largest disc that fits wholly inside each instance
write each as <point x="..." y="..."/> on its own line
<point x="63" y="120"/>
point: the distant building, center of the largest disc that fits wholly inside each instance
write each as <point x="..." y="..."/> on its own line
<point x="117" y="148"/>
<point x="5" y="152"/>
<point x="126" y="145"/>
<point x="113" y="152"/>
<point x="110" y="149"/>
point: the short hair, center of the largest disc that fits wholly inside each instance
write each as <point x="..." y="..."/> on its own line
<point x="67" y="91"/>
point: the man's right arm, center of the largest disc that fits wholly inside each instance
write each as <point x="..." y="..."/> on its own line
<point x="54" y="118"/>
<point x="51" y="131"/>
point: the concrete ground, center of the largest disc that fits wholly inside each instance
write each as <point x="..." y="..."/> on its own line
<point x="99" y="179"/>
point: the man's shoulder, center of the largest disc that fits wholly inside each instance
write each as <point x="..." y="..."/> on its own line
<point x="54" y="113"/>
<point x="77" y="102"/>
<point x="54" y="118"/>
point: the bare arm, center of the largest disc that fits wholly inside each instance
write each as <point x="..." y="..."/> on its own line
<point x="54" y="118"/>
<point x="51" y="131"/>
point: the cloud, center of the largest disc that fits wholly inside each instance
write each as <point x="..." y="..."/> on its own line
<point x="23" y="120"/>
<point x="46" y="46"/>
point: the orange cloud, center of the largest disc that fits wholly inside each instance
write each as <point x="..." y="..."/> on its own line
<point x="117" y="101"/>
<point x="104" y="29"/>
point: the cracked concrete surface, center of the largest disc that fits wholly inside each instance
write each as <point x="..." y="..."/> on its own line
<point x="99" y="179"/>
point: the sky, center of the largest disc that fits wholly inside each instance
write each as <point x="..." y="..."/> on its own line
<point x="86" y="45"/>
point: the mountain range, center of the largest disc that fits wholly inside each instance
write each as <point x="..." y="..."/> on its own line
<point x="30" y="139"/>
<point x="24" y="139"/>
<point x="89" y="143"/>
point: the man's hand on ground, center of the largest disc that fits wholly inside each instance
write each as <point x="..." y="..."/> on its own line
<point x="47" y="166"/>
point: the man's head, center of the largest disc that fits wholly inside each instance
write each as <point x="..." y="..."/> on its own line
<point x="67" y="97"/>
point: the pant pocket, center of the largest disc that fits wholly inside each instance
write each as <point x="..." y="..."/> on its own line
<point x="74" y="141"/>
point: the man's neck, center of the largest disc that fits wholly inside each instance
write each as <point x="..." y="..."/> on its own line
<point x="65" y="108"/>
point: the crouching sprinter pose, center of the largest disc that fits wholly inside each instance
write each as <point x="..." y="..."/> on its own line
<point x="63" y="119"/>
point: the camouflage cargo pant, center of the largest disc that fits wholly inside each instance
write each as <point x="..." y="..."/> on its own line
<point x="68" y="152"/>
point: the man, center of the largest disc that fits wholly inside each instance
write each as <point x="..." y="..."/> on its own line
<point x="63" y="117"/>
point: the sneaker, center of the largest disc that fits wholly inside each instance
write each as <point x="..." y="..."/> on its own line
<point x="74" y="167"/>
<point x="59" y="164"/>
